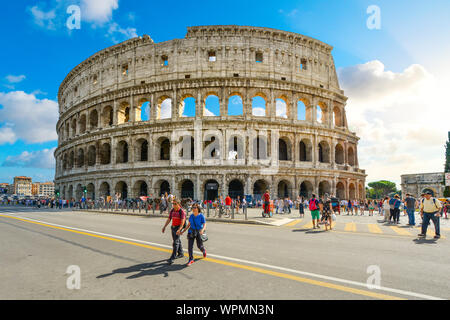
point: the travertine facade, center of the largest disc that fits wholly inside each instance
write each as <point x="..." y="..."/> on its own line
<point x="105" y="145"/>
<point x="416" y="184"/>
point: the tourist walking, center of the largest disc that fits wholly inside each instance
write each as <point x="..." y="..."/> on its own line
<point x="326" y="210"/>
<point x="315" y="211"/>
<point x="196" y="226"/>
<point x="178" y="217"/>
<point x="371" y="207"/>
<point x="301" y="208"/>
<point x="395" y="209"/>
<point x="430" y="208"/>
<point x="266" y="198"/>
<point x="387" y="209"/>
<point x="410" y="204"/>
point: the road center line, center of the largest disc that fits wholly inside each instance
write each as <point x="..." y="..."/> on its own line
<point x="158" y="247"/>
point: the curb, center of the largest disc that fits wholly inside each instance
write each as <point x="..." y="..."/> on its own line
<point x="254" y="222"/>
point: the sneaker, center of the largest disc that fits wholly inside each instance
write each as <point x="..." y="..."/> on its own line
<point x="179" y="256"/>
<point x="421" y="235"/>
<point x="170" y="261"/>
<point x="204" y="254"/>
<point x="437" y="236"/>
<point x="190" y="262"/>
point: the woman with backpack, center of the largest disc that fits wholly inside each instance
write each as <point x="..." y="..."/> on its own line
<point x="315" y="211"/>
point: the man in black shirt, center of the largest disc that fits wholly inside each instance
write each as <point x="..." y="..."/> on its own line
<point x="410" y="205"/>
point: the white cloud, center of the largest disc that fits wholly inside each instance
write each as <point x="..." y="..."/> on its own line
<point x="98" y="11"/>
<point x="118" y="34"/>
<point x="166" y="109"/>
<point x="27" y="118"/>
<point x="44" y="19"/>
<point x="15" y="79"/>
<point x="259" y="112"/>
<point x="281" y="108"/>
<point x="37" y="159"/>
<point x="208" y="113"/>
<point x="401" y="118"/>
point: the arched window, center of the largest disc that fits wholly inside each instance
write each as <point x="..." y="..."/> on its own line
<point x="82" y="125"/>
<point x="80" y="157"/>
<point x="351" y="156"/>
<point x="324" y="152"/>
<point x="165" y="109"/>
<point x="281" y="108"/>
<point x="105" y="153"/>
<point x="187" y="107"/>
<point x="305" y="150"/>
<point x="212" y="106"/>
<point x="339" y="154"/>
<point x="235" y="106"/>
<point x="259" y="106"/>
<point x="107" y="116"/>
<point x="122" y="152"/>
<point x="165" y="150"/>
<point x="92" y="156"/>
<point x="142" y="150"/>
<point x="283" y="153"/>
<point x="143" y="111"/>
<point x="260" y="148"/>
<point x="301" y="110"/>
<point x="93" y="119"/>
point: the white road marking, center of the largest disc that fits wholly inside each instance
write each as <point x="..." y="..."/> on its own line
<point x="355" y="283"/>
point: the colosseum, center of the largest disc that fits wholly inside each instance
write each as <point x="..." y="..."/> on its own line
<point x="226" y="110"/>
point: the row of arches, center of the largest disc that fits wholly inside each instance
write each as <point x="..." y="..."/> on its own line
<point x="211" y="105"/>
<point x="211" y="189"/>
<point x="102" y="154"/>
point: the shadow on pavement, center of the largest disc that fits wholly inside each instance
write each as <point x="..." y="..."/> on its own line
<point x="147" y="269"/>
<point x="422" y="241"/>
<point x="309" y="230"/>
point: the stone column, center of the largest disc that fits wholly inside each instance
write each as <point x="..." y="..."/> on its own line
<point x="115" y="113"/>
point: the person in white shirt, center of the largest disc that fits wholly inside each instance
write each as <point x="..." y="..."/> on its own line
<point x="387" y="209"/>
<point x="430" y="209"/>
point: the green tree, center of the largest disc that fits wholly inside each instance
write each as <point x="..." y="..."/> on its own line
<point x="382" y="188"/>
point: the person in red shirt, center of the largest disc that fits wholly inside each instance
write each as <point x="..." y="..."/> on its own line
<point x="266" y="197"/>
<point x="178" y="217"/>
<point x="227" y="204"/>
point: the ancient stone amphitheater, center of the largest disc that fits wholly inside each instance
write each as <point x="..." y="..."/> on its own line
<point x="280" y="120"/>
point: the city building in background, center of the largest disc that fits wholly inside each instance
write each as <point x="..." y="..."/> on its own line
<point x="416" y="184"/>
<point x="44" y="189"/>
<point x="23" y="186"/>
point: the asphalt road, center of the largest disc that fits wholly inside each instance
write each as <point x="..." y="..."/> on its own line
<point x="124" y="257"/>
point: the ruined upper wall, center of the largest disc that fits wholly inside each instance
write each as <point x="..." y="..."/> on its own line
<point x="285" y="56"/>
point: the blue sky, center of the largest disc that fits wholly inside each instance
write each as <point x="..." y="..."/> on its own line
<point x="38" y="51"/>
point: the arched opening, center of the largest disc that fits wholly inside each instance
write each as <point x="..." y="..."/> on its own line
<point x="284" y="152"/>
<point x="361" y="192"/>
<point x="70" y="194"/>
<point x="283" y="189"/>
<point x="301" y="110"/>
<point x="187" y="189"/>
<point x="324" y="187"/>
<point x="340" y="191"/>
<point x="107" y="116"/>
<point x="93" y="119"/>
<point x="79" y="192"/>
<point x="324" y="152"/>
<point x="352" y="191"/>
<point x="337" y="117"/>
<point x="90" y="188"/>
<point x="211" y="190"/>
<point x="67" y="135"/>
<point x="123" y="115"/>
<point x="140" y="189"/>
<point x="260" y="148"/>
<point x="305" y="150"/>
<point x="259" y="188"/>
<point x="104" y="190"/>
<point x="122" y="190"/>
<point x="212" y="106"/>
<point x="187" y="107"/>
<point x="164" y="110"/>
<point x="281" y="108"/>
<point x="235" y="105"/>
<point x="105" y="153"/>
<point x="306" y="189"/>
<point x="339" y="154"/>
<point x="164" y="187"/>
<point x="82" y="124"/>
<point x="71" y="159"/>
<point x="92" y="156"/>
<point x="143" y="110"/>
<point x="80" y="157"/>
<point x="74" y="128"/>
<point x="164" y="150"/>
<point x="142" y="150"/>
<point x="235" y="189"/>
<point x="259" y="106"/>
<point x="351" y="156"/>
<point x="235" y="148"/>
<point x="122" y="152"/>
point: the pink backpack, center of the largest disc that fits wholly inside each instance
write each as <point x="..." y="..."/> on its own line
<point x="313" y="204"/>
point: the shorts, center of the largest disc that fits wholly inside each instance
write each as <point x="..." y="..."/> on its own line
<point x="315" y="214"/>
